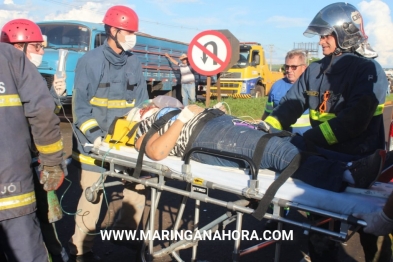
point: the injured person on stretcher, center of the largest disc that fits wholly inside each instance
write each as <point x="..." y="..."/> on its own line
<point x="195" y="126"/>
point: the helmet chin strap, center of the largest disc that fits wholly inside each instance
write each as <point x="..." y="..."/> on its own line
<point x="114" y="38"/>
<point x="25" y="48"/>
<point x="337" y="51"/>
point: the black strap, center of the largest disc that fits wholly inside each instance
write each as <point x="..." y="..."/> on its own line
<point x="111" y="129"/>
<point x="285" y="174"/>
<point x="157" y="125"/>
<point x="261" y="144"/>
<point x="273" y="188"/>
<point x="130" y="87"/>
<point x="132" y="131"/>
<point x="210" y="114"/>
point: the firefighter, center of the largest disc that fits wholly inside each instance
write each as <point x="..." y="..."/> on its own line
<point x="345" y="93"/>
<point x="26" y="36"/>
<point x="25" y="105"/>
<point x="108" y="84"/>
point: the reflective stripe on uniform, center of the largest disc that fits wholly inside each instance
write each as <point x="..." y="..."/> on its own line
<point x="83" y="159"/>
<point x="57" y="109"/>
<point x="52" y="148"/>
<point x="10" y="100"/>
<point x="103" y="102"/>
<point x="328" y="133"/>
<point x="273" y="122"/>
<point x="17" y="201"/>
<point x="317" y="116"/>
<point x="88" y="125"/>
<point x="379" y="110"/>
<point x="302" y="121"/>
<point x="269" y="107"/>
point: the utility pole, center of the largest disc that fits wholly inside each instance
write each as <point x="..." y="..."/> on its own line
<point x="271" y="49"/>
<point x="311" y="49"/>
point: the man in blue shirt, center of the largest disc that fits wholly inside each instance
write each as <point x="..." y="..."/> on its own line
<point x="295" y="64"/>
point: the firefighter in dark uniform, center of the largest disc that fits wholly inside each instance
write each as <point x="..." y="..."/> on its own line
<point x="26" y="36"/>
<point x="108" y="84"/>
<point x="345" y="93"/>
<point x="25" y="104"/>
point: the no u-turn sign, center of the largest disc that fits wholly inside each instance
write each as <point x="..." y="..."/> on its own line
<point x="211" y="52"/>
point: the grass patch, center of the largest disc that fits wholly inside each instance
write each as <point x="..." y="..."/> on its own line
<point x="252" y="107"/>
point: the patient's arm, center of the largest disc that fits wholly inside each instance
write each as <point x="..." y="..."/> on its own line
<point x="158" y="147"/>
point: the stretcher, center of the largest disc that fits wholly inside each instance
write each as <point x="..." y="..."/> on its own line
<point x="248" y="186"/>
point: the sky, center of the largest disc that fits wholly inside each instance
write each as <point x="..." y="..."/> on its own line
<point x="277" y="25"/>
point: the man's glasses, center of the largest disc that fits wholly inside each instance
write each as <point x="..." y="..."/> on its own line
<point x="37" y="47"/>
<point x="293" y="67"/>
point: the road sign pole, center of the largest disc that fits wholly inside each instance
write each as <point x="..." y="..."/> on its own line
<point x="218" y="84"/>
<point x="209" y="81"/>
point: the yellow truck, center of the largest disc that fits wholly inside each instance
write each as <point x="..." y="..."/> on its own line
<point x="250" y="76"/>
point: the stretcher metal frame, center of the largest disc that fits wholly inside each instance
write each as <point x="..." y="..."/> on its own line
<point x="235" y="212"/>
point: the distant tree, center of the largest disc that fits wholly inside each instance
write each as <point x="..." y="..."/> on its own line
<point x="313" y="59"/>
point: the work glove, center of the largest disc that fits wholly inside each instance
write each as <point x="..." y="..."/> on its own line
<point x="377" y="223"/>
<point x="97" y="142"/>
<point x="51" y="176"/>
<point x="265" y="127"/>
<point x="59" y="86"/>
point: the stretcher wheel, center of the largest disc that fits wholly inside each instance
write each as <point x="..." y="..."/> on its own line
<point x="91" y="195"/>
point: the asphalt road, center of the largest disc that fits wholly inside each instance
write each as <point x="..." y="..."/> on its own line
<point x="207" y="250"/>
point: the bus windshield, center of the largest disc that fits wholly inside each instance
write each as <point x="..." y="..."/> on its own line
<point x="67" y="36"/>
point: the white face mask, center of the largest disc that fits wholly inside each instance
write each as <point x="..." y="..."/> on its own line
<point x="36" y="59"/>
<point x="129" y="43"/>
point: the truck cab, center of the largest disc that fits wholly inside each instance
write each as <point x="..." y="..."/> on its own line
<point x="250" y="76"/>
<point x="75" y="36"/>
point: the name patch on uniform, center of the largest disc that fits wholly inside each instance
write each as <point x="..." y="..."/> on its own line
<point x="10" y="189"/>
<point x="311" y="93"/>
<point x="104" y="85"/>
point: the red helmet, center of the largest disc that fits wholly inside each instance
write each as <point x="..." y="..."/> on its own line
<point x="21" y="31"/>
<point x="121" y="17"/>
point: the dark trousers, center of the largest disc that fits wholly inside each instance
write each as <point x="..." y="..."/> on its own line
<point x="21" y="240"/>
